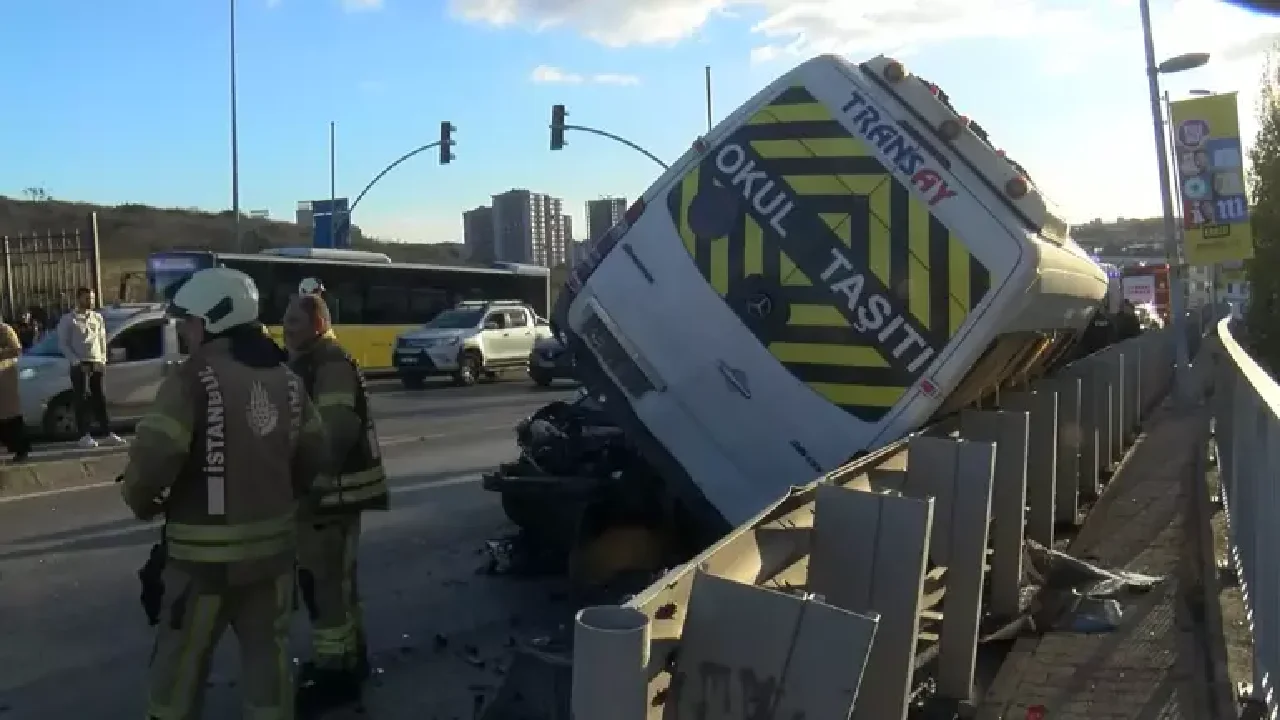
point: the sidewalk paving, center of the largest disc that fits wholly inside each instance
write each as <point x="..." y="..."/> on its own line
<point x="1148" y="669"/>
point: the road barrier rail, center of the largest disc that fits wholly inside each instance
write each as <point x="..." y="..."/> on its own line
<point x="841" y="597"/>
<point x="1246" y="411"/>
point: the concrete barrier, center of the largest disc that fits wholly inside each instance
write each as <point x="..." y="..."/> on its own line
<point x="27" y="478"/>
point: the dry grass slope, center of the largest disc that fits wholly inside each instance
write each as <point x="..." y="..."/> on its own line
<point x="128" y="233"/>
<point x="131" y="232"/>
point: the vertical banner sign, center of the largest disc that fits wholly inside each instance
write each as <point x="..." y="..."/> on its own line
<point x="331" y="223"/>
<point x="1210" y="167"/>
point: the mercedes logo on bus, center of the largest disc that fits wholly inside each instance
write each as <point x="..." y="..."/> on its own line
<point x="760" y="305"/>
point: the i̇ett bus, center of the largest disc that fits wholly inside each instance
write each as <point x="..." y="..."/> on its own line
<point x="372" y="298"/>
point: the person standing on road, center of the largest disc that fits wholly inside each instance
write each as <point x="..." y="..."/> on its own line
<point x="13" y="430"/>
<point x="329" y="535"/>
<point x="228" y="449"/>
<point x="82" y="337"/>
<point x="28" y="330"/>
<point x="1098" y="334"/>
<point x="1127" y="323"/>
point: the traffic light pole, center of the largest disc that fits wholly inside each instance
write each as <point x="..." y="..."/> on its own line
<point x="388" y="169"/>
<point x="618" y="139"/>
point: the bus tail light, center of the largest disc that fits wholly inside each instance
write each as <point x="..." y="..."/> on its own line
<point x="894" y="72"/>
<point x="1016" y="188"/>
<point x="951" y="129"/>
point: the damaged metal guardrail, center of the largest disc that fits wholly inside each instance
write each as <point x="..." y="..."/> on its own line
<point x="1246" y="411"/>
<point x="842" y="596"/>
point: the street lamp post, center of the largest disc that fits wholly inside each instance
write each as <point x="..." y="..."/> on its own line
<point x="235" y="138"/>
<point x="1177" y="303"/>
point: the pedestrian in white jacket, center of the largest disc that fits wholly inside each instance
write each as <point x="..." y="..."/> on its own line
<point x="82" y="338"/>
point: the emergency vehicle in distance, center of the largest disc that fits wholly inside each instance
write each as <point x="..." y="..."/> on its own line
<point x="840" y="260"/>
<point x="1147" y="285"/>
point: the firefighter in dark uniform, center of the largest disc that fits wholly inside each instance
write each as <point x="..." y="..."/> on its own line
<point x="230" y="446"/>
<point x="1127" y="323"/>
<point x="329" y="535"/>
<point x="1098" y="334"/>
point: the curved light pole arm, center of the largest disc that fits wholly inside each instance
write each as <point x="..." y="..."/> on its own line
<point x="388" y="169"/>
<point x="618" y="139"/>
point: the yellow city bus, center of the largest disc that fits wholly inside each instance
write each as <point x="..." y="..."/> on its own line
<point x="372" y="299"/>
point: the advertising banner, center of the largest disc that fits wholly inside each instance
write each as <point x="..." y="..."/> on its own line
<point x="1210" y="174"/>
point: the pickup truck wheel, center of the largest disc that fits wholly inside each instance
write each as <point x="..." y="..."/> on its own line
<point x="59" y="422"/>
<point x="541" y="379"/>
<point x="470" y="369"/>
<point x="413" y="382"/>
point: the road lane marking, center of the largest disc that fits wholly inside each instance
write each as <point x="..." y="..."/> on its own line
<point x="402" y="439"/>
<point x="392" y="441"/>
<point x="396" y="489"/>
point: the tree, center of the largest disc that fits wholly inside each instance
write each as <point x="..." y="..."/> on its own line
<point x="1263" y="313"/>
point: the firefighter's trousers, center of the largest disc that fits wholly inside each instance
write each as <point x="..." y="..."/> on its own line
<point x="192" y="623"/>
<point x="327" y="551"/>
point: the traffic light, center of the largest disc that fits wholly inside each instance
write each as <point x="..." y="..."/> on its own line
<point x="446" y="141"/>
<point x="557" y="126"/>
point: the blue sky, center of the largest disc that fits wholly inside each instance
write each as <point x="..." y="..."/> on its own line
<point x="127" y="101"/>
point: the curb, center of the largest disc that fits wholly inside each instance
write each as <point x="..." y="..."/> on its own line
<point x="35" y="477"/>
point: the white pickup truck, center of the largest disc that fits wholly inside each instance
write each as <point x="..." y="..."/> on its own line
<point x="471" y="340"/>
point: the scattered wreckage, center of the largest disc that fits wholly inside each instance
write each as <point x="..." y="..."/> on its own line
<point x="585" y="503"/>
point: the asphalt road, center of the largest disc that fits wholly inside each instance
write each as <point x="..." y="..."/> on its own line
<point x="399" y="412"/>
<point x="74" y="643"/>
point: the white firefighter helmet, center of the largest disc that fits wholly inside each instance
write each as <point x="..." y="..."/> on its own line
<point x="310" y="286"/>
<point x="222" y="297"/>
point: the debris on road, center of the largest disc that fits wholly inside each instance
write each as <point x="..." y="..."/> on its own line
<point x="1079" y="596"/>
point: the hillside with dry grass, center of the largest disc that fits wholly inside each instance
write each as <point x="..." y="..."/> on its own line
<point x="128" y="233"/>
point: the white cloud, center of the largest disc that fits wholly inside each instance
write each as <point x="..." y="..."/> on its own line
<point x="615" y="23"/>
<point x="802" y="28"/>
<point x="552" y="74"/>
<point x="614" y="79"/>
<point x="361" y="5"/>
<point x="1084" y="43"/>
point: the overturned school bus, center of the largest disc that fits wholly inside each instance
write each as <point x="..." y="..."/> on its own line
<point x="841" y="260"/>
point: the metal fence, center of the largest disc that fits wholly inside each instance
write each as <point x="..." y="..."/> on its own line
<point x="833" y="601"/>
<point x="1247" y="434"/>
<point x="43" y="270"/>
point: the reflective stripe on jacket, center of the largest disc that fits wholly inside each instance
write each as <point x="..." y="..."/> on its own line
<point x="231" y="512"/>
<point x="333" y="379"/>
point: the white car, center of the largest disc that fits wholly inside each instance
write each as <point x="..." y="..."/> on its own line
<point x="142" y="347"/>
<point x="472" y="340"/>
